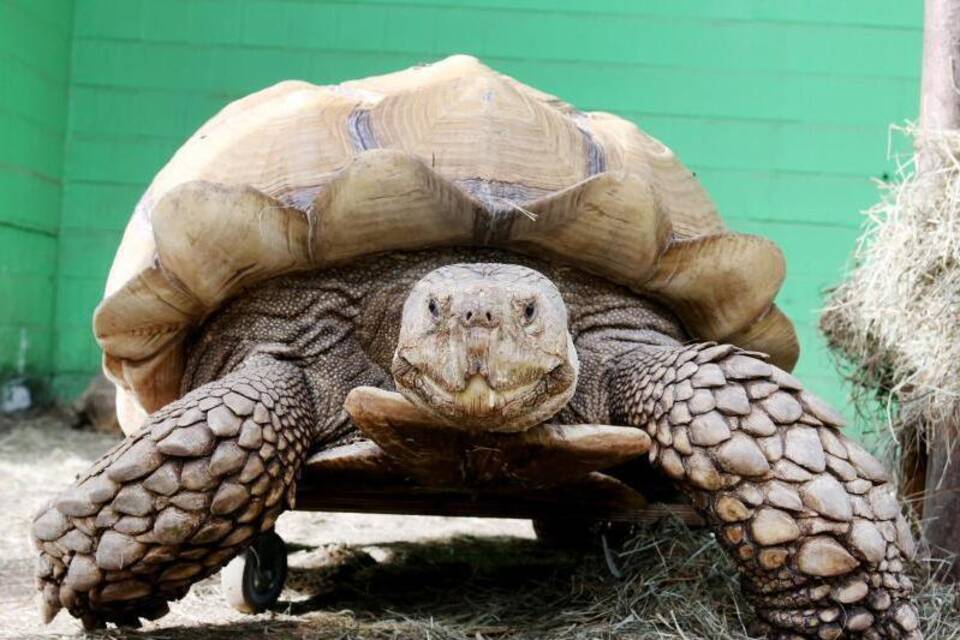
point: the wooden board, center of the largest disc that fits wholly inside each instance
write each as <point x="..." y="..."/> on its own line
<point x="599" y="498"/>
<point x="935" y="469"/>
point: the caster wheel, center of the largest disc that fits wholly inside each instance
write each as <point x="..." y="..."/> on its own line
<point x="252" y="582"/>
<point x="582" y="535"/>
<point x="565" y="534"/>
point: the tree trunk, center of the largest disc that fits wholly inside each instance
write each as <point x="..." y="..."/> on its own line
<point x="940" y="109"/>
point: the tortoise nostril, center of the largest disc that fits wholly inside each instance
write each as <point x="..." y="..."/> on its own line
<point x="479" y="315"/>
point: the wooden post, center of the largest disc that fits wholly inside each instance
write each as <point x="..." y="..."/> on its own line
<point x="940" y="109"/>
<point x="939" y="106"/>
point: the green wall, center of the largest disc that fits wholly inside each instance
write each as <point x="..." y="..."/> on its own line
<point x="34" y="71"/>
<point x="782" y="108"/>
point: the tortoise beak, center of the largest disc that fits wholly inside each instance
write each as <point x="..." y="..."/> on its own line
<point x="479" y="397"/>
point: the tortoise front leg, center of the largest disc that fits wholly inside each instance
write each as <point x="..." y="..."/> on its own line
<point x="809" y="516"/>
<point x="176" y="501"/>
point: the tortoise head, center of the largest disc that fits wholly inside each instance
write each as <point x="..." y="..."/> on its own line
<point x="486" y="347"/>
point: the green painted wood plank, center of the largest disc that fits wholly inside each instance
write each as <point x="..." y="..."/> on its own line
<point x="811" y="250"/>
<point x="27" y="254"/>
<point x="860" y="13"/>
<point x="896" y="15"/>
<point x="87" y="253"/>
<point x="772" y="146"/>
<point x="544" y="35"/>
<point x="35" y="46"/>
<point x="77" y="298"/>
<point x="29" y="344"/>
<point x="32" y="96"/>
<point x="627" y="87"/>
<point x="789" y="197"/>
<point x="20" y="32"/>
<point x="175" y="115"/>
<point x="76" y="351"/>
<point x="56" y="14"/>
<point x="29" y="201"/>
<point x="679" y="92"/>
<point x="98" y="207"/>
<point x="32" y="147"/>
<point x="34" y="305"/>
<point x="125" y="162"/>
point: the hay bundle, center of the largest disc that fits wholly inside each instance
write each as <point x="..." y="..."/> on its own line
<point x="896" y="319"/>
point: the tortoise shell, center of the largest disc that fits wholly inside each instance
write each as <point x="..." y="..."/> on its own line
<point x="298" y="177"/>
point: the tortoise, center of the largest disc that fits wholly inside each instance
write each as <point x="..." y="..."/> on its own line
<point x="443" y="282"/>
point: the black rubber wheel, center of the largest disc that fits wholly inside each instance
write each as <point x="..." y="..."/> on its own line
<point x="253" y="581"/>
<point x="566" y="533"/>
<point x="580" y="534"/>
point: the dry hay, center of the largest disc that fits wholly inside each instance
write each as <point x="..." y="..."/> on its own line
<point x="677" y="584"/>
<point x="896" y="319"/>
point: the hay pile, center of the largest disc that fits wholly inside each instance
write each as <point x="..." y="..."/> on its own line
<point x="677" y="584"/>
<point x="896" y="319"/>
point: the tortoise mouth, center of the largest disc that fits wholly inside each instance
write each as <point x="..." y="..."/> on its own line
<point x="478" y="406"/>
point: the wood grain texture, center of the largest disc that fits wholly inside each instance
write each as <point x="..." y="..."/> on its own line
<point x="940" y="110"/>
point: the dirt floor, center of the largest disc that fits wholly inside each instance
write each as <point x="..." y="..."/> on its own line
<point x="388" y="577"/>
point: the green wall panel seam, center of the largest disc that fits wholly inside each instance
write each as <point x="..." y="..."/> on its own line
<point x="28" y="229"/>
<point x="36" y="71"/>
<point x="794" y="222"/>
<point x="557" y="9"/>
<point x="14" y="168"/>
<point x="7" y="112"/>
<point x="65" y="149"/>
<point x="43" y="126"/>
<point x="35" y="108"/>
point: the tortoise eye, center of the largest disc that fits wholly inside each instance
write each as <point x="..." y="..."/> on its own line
<point x="530" y="311"/>
<point x="433" y="308"/>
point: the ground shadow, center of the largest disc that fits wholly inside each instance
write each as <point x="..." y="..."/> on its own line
<point x="676" y="583"/>
<point x="464" y="580"/>
<point x="489" y="586"/>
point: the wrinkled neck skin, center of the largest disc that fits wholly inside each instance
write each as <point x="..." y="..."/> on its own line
<point x="342" y="326"/>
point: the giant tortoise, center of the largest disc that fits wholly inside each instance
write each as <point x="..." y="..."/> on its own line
<point x="441" y="288"/>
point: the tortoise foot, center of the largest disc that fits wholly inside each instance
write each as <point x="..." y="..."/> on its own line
<point x="176" y="501"/>
<point x="809" y="516"/>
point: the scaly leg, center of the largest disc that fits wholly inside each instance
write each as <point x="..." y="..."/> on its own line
<point x="176" y="501"/>
<point x="809" y="516"/>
